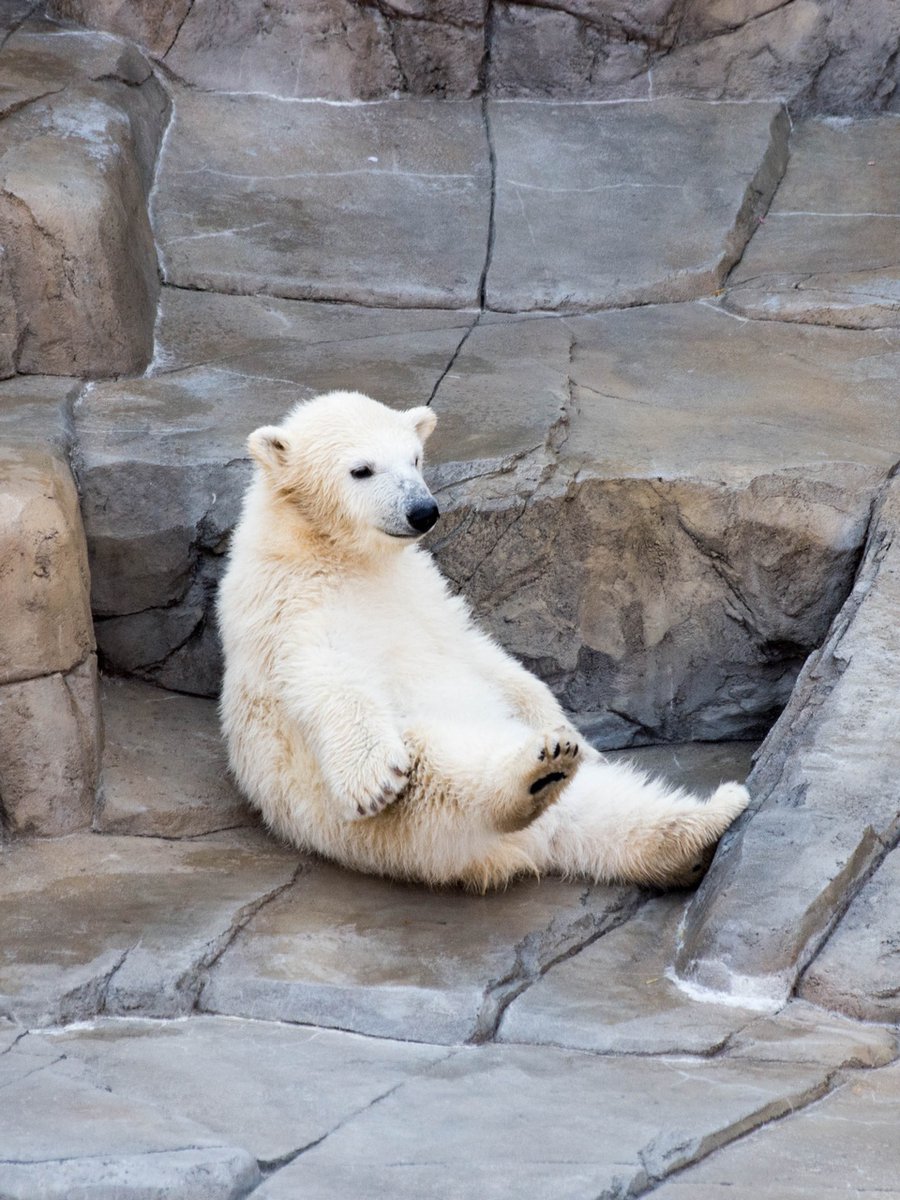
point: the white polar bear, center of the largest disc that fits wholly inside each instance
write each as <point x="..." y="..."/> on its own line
<point x="367" y="717"/>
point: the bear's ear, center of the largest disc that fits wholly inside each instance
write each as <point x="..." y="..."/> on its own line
<point x="423" y="421"/>
<point x="268" y="446"/>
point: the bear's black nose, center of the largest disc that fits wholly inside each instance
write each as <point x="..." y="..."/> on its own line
<point x="423" y="516"/>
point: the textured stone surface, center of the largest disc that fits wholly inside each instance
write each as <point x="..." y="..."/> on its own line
<point x="825" y="253"/>
<point x="845" y="1145"/>
<point x="546" y="1122"/>
<point x="94" y="924"/>
<point x="34" y="413"/>
<point x="616" y="996"/>
<point x="412" y="178"/>
<point x="50" y="741"/>
<point x="856" y="972"/>
<point x="196" y="328"/>
<point x="825" y="786"/>
<point x="334" y="49"/>
<point x="390" y="959"/>
<point x="63" y="1137"/>
<point x="50" y="731"/>
<point x="269" y="1088"/>
<point x="43" y="566"/>
<point x="165" y="771"/>
<point x="590" y="428"/>
<point x="75" y="166"/>
<point x="153" y="23"/>
<point x="831" y="56"/>
<point x="802" y="1032"/>
<point x="713" y="467"/>
<point x="644" y="221"/>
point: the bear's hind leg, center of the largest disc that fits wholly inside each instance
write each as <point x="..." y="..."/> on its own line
<point x="617" y="825"/>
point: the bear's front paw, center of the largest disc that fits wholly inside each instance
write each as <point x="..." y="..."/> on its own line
<point x="381" y="780"/>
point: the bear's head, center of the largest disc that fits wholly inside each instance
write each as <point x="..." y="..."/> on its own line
<point x="350" y="468"/>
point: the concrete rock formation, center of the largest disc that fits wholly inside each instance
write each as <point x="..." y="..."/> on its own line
<point x="638" y="257"/>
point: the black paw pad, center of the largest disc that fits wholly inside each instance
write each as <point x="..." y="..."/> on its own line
<point x="545" y="781"/>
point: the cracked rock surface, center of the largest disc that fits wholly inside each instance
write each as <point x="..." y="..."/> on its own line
<point x="659" y="329"/>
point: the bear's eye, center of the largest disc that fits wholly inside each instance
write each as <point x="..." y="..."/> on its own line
<point x="363" y="472"/>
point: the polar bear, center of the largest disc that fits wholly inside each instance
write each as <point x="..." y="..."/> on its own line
<point x="369" y="720"/>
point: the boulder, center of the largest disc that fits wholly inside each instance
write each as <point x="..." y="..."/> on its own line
<point x="825" y="804"/>
<point x="76" y="165"/>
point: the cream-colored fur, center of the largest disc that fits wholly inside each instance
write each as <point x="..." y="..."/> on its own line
<point x="367" y="717"/>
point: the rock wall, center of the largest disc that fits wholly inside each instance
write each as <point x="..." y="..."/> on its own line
<point x="831" y="56"/>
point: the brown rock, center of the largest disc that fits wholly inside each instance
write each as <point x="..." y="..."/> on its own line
<point x="333" y="49"/>
<point x="44" y="580"/>
<point x="50" y="739"/>
<point x="81" y="259"/>
<point x="538" y="51"/>
<point x="773" y="54"/>
<point x="153" y="23"/>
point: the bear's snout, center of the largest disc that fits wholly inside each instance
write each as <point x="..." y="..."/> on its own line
<point x="423" y="515"/>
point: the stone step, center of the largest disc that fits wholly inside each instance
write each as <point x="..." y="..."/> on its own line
<point x="715" y="467"/>
<point x="156" y="918"/>
<point x="448" y="205"/>
<point x="164" y="771"/>
<point x="826" y="253"/>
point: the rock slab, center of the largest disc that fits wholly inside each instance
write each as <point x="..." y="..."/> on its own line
<point x="825" y="811"/>
<point x="124" y="925"/>
<point x="378" y="204"/>
<point x="165" y="770"/>
<point x="646" y="220"/>
<point x="824" y="254"/>
<point x="389" y="959"/>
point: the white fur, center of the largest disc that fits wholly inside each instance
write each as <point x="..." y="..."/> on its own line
<point x="369" y="719"/>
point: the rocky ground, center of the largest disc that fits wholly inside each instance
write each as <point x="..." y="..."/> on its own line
<point x="661" y="330"/>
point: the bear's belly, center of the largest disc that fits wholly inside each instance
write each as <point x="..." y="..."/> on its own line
<point x="448" y="691"/>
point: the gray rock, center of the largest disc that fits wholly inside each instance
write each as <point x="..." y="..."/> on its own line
<point x="616" y="996"/>
<point x="412" y="176"/>
<point x="500" y="1120"/>
<point x="124" y="925"/>
<point x="394" y="960"/>
<point x="50" y="741"/>
<point x="269" y="1088"/>
<point x="844" y="1145"/>
<point x="856" y="970"/>
<point x="165" y="770"/>
<point x="605" y="431"/>
<point x="80" y="262"/>
<point x="660" y="199"/>
<point x="64" y="1137"/>
<point x="826" y="798"/>
<point x="34" y="412"/>
<point x="196" y="328"/>
<point x="720" y="545"/>
<point x="823" y="255"/>
<point x="802" y="1032"/>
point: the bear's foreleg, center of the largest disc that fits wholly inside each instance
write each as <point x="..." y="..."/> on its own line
<point x="350" y="729"/>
